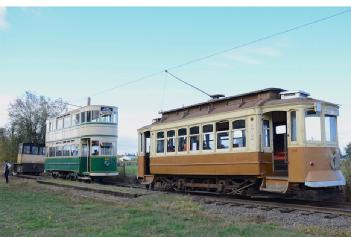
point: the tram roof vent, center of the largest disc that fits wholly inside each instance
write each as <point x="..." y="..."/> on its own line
<point x="293" y="94"/>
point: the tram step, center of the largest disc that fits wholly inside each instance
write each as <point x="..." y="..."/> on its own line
<point x="275" y="184"/>
<point x="148" y="179"/>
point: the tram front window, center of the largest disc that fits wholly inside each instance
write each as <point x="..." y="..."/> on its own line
<point x="107" y="149"/>
<point x="313" y="126"/>
<point x="95" y="148"/>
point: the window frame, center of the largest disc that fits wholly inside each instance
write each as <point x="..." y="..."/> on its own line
<point x="203" y="136"/>
<point x="194" y="135"/>
<point x="175" y="142"/>
<point x="320" y="127"/>
<point x="269" y="129"/>
<point x="239" y="129"/>
<point x="160" y="139"/>
<point x="183" y="136"/>
<point x="290" y="127"/>
<point x="223" y="131"/>
<point x="325" y="130"/>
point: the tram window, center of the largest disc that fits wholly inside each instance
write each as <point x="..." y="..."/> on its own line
<point x="95" y="148"/>
<point x="239" y="134"/>
<point x="106" y="118"/>
<point x="82" y="117"/>
<point x="194" y="138"/>
<point x="26" y="149"/>
<point x="266" y="134"/>
<point x="66" y="150"/>
<point x="59" y="124"/>
<point x="182" y="140"/>
<point x="74" y="150"/>
<point x="114" y="117"/>
<point x="75" y="120"/>
<point x="51" y="151"/>
<point x="293" y="127"/>
<point x="160" y="142"/>
<point x="88" y="116"/>
<point x="59" y="151"/>
<point x="35" y="150"/>
<point x="67" y="121"/>
<point x="313" y="126"/>
<point x="208" y="138"/>
<point x="171" y="141"/>
<point x="106" y="149"/>
<point x="95" y="116"/>
<point x="330" y="128"/>
<point x="222" y="134"/>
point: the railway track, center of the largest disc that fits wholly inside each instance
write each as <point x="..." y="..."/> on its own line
<point x="329" y="209"/>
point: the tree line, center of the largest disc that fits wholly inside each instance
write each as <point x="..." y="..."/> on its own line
<point x="27" y="122"/>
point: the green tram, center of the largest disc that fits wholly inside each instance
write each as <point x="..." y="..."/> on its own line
<point x="83" y="143"/>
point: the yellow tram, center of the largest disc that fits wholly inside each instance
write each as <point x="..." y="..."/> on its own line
<point x="270" y="140"/>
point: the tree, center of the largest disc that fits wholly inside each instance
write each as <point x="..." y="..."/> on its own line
<point x="28" y="116"/>
<point x="27" y="122"/>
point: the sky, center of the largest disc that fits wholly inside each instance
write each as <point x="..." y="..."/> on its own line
<point x="74" y="53"/>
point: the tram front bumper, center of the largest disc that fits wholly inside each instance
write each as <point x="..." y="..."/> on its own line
<point x="104" y="174"/>
<point x="325" y="178"/>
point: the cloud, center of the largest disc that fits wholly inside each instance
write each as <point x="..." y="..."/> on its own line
<point x="243" y="59"/>
<point x="3" y="22"/>
<point x="256" y="55"/>
<point x="267" y="51"/>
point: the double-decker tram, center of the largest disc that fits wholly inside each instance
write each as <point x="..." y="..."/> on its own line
<point x="269" y="140"/>
<point x="82" y="143"/>
<point x="30" y="159"/>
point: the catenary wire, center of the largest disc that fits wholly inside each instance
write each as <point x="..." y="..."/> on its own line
<point x="225" y="51"/>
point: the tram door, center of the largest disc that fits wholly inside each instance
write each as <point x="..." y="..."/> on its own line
<point x="86" y="152"/>
<point x="280" y="147"/>
<point x="146" y="144"/>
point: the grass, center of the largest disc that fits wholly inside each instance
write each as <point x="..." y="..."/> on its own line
<point x="128" y="169"/>
<point x="29" y="209"/>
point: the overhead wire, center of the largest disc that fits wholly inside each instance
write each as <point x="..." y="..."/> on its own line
<point x="242" y="45"/>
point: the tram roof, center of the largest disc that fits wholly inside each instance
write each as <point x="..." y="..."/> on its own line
<point x="264" y="97"/>
<point x="274" y="91"/>
<point x="80" y="109"/>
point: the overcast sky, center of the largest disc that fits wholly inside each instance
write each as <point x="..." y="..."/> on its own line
<point x="76" y="52"/>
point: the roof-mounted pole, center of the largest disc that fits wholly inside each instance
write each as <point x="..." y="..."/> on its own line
<point x="216" y="96"/>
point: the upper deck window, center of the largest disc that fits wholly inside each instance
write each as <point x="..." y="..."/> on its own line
<point x="313" y="126"/>
<point x="82" y="117"/>
<point x="171" y="141"/>
<point x="160" y="142"/>
<point x="59" y="123"/>
<point x="222" y="128"/>
<point x="67" y="121"/>
<point x="194" y="138"/>
<point x="75" y="119"/>
<point x="239" y="136"/>
<point x="88" y="116"/>
<point x="95" y="116"/>
<point x="330" y="128"/>
<point x="182" y="140"/>
<point x="208" y="138"/>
